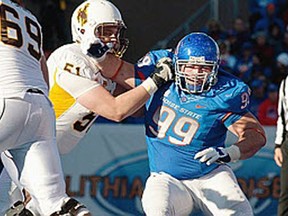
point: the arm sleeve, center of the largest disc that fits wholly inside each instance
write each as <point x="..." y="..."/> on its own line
<point x="73" y="84"/>
<point x="72" y="72"/>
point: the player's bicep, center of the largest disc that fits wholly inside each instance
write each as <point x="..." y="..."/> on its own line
<point x="246" y="122"/>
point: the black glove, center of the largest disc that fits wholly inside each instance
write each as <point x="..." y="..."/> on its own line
<point x="163" y="72"/>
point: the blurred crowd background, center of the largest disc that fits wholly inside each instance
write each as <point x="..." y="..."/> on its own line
<point x="252" y="36"/>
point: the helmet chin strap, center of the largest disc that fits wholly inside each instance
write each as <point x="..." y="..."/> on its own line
<point x="211" y="82"/>
<point x="214" y="80"/>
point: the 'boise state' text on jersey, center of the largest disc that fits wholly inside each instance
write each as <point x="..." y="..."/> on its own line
<point x="178" y="125"/>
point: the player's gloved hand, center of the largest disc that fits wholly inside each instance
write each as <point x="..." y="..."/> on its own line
<point x="219" y="155"/>
<point x="94" y="47"/>
<point x="163" y="72"/>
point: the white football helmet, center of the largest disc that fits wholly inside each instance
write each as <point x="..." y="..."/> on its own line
<point x="96" y="16"/>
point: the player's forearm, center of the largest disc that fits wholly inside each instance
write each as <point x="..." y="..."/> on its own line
<point x="116" y="109"/>
<point x="128" y="104"/>
<point x="251" y="141"/>
<point x="124" y="105"/>
<point x="251" y="135"/>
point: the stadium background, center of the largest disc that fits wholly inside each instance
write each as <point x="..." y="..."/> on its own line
<point x="150" y="23"/>
<point x="108" y="168"/>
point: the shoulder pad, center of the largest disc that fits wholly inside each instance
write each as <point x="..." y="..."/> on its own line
<point x="146" y="65"/>
<point x="233" y="93"/>
<point x="70" y="58"/>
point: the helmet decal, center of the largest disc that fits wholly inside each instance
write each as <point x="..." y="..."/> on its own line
<point x="82" y="15"/>
<point x="102" y="18"/>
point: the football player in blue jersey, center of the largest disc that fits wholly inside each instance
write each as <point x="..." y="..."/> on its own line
<point x="186" y="124"/>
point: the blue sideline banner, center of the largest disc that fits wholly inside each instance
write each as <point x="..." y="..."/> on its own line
<point x="108" y="169"/>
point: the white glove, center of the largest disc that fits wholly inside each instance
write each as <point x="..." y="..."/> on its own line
<point x="219" y="155"/>
<point x="94" y="47"/>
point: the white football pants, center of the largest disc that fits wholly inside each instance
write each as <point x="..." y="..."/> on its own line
<point x="28" y="131"/>
<point x="215" y="194"/>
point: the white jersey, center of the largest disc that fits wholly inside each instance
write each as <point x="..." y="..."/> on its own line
<point x="72" y="119"/>
<point x="21" y="36"/>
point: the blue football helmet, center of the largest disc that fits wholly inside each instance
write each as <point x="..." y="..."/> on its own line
<point x="196" y="63"/>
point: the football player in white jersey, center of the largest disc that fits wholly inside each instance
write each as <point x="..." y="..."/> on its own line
<point x="27" y="119"/>
<point x="78" y="90"/>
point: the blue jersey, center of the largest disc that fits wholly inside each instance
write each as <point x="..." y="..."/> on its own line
<point x="178" y="125"/>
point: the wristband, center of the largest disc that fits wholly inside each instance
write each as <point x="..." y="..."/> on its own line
<point x="149" y="86"/>
<point x="234" y="152"/>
